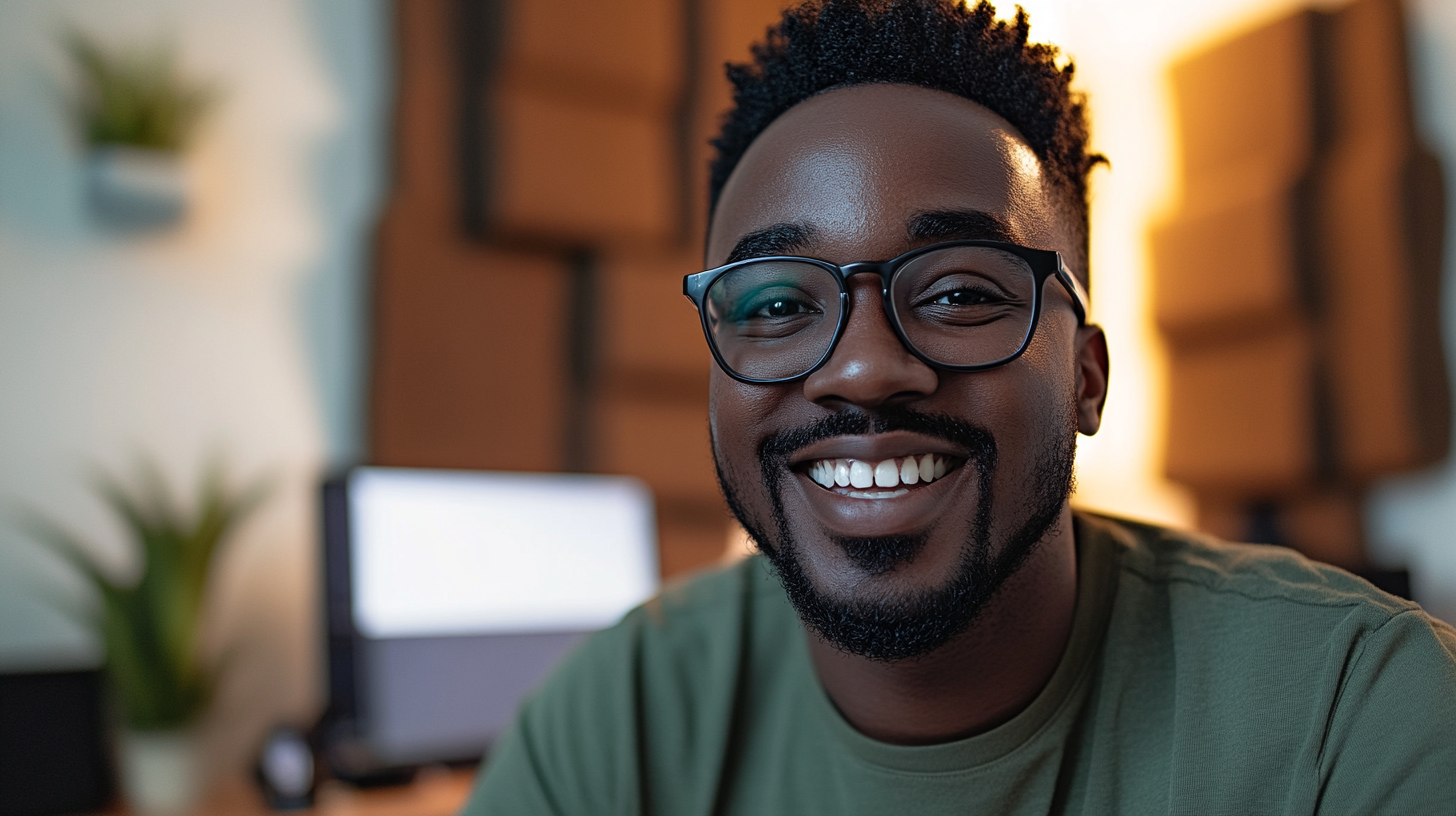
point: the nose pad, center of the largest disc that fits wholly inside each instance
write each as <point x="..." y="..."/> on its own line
<point x="870" y="366"/>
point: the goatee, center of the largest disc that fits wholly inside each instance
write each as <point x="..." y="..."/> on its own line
<point x="908" y="625"/>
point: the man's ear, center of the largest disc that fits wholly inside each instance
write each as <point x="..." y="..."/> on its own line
<point x="1091" y="377"/>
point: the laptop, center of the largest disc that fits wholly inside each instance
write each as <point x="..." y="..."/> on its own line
<point x="450" y="595"/>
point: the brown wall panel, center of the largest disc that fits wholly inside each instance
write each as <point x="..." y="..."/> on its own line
<point x="1229" y="266"/>
<point x="727" y="28"/>
<point x="622" y="54"/>
<point x="1239" y="415"/>
<point x="662" y="443"/>
<point x="468" y="358"/>
<point x="1248" y="102"/>
<point x="1374" y="207"/>
<point x="468" y="344"/>
<point x="569" y="173"/>
<point x="1341" y="255"/>
<point x="1367" y="306"/>
<point x="570" y="122"/>
<point x="648" y="325"/>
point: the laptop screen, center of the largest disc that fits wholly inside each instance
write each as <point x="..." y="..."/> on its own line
<point x="455" y="553"/>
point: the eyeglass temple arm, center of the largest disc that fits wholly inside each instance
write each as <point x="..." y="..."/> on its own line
<point x="1081" y="302"/>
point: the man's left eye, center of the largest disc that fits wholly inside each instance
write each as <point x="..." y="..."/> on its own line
<point x="963" y="297"/>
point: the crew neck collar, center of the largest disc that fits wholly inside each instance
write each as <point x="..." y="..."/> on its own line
<point x="1096" y="586"/>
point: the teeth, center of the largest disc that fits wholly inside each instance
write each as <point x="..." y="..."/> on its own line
<point x="888" y="474"/>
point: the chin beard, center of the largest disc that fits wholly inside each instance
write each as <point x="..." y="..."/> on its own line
<point x="908" y="625"/>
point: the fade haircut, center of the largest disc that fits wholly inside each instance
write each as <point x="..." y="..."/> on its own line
<point x="939" y="44"/>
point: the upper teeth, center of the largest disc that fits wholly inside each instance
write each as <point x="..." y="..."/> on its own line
<point x="908" y="470"/>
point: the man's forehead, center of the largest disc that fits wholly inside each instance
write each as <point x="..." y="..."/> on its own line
<point x="920" y="228"/>
<point x="882" y="163"/>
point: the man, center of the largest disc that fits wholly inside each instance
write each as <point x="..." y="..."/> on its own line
<point x="896" y="304"/>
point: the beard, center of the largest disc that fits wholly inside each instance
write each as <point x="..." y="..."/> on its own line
<point x="886" y="627"/>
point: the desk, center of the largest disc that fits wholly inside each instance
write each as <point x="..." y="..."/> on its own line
<point x="434" y="793"/>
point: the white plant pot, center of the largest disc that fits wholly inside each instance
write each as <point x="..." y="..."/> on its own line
<point x="160" y="772"/>
<point x="134" y="188"/>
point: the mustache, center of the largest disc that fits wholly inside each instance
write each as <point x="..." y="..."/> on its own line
<point x="977" y="442"/>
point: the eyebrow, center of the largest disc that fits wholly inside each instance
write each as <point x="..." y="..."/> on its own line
<point x="779" y="239"/>
<point x="935" y="225"/>
<point x="960" y="225"/>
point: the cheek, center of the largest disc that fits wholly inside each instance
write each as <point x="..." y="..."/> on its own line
<point x="737" y="416"/>
<point x="1031" y="398"/>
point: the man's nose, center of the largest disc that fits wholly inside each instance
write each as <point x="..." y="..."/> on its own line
<point x="870" y="366"/>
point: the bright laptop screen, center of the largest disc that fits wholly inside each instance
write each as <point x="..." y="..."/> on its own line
<point x="437" y="553"/>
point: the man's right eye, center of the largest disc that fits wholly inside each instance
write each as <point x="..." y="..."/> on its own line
<point x="779" y="307"/>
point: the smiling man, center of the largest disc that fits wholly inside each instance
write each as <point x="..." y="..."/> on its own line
<point x="897" y="306"/>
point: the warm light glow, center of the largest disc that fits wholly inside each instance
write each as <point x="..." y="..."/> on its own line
<point x="1122" y="50"/>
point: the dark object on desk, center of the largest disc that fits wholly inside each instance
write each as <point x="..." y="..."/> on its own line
<point x="286" y="772"/>
<point x="53" y="757"/>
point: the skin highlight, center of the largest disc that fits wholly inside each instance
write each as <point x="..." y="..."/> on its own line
<point x="853" y="169"/>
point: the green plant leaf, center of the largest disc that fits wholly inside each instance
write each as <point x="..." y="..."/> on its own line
<point x="135" y="97"/>
<point x="150" y="628"/>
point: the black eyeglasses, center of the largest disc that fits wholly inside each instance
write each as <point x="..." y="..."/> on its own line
<point x="958" y="306"/>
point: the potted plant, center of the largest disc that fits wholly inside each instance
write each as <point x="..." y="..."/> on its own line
<point x="137" y="114"/>
<point x="148" y="626"/>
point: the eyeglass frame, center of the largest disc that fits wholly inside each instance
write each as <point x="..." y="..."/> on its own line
<point x="1044" y="263"/>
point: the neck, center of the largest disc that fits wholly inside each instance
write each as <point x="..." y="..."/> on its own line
<point x="982" y="677"/>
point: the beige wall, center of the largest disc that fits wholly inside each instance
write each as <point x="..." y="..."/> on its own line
<point x="238" y="332"/>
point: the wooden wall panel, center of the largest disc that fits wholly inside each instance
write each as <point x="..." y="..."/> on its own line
<point x="570" y="124"/>
<point x="620" y="54"/>
<point x="1298" y="285"/>
<point x="574" y="174"/>
<point x="468" y="358"/>
<point x="468" y="342"/>
<point x="664" y="444"/>
<point x="1380" y="212"/>
<point x="1248" y="103"/>
<point x="1239" y="415"/>
<point x="1229" y="267"/>
<point x="649" y="325"/>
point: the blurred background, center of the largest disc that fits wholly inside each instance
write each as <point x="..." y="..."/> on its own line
<point x="451" y="235"/>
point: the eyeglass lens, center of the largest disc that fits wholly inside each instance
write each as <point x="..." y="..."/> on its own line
<point x="958" y="306"/>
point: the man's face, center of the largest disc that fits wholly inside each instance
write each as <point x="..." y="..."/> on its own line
<point x="867" y="173"/>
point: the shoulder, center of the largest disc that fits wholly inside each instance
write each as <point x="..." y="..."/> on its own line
<point x="1292" y="678"/>
<point x="664" y="676"/>
<point x="1198" y="564"/>
<point x="1261" y="659"/>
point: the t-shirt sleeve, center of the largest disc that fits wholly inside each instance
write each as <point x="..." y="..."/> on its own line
<point x="570" y="750"/>
<point x="1391" y="744"/>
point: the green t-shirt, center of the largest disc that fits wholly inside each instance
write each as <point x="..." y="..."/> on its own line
<point x="1200" y="678"/>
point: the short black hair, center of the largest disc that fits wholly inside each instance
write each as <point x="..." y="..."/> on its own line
<point x="944" y="45"/>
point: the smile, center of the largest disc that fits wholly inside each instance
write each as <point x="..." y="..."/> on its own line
<point x="883" y="479"/>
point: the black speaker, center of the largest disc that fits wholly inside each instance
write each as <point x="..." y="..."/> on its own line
<point x="53" y="756"/>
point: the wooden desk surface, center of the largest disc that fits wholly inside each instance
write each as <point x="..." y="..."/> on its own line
<point x="434" y="793"/>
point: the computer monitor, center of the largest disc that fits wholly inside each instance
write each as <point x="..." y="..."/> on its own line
<point x="450" y="594"/>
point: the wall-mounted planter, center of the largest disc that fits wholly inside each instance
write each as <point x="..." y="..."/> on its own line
<point x="136" y="189"/>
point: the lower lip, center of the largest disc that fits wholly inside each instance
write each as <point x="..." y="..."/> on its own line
<point x="881" y="513"/>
